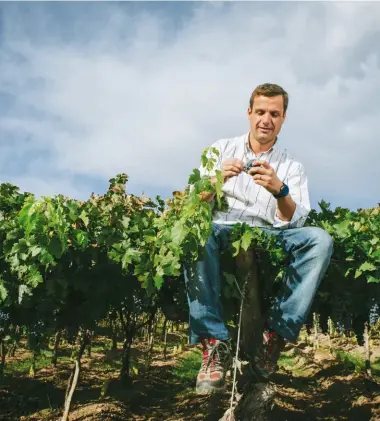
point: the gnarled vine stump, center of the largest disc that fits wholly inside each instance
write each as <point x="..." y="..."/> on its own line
<point x="247" y="271"/>
<point x="258" y="398"/>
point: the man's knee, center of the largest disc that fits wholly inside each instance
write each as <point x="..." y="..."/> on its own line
<point x="218" y="238"/>
<point x="320" y="239"/>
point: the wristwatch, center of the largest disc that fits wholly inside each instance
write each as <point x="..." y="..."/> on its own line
<point x="284" y="191"/>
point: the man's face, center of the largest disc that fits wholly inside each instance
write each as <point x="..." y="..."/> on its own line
<point x="266" y="118"/>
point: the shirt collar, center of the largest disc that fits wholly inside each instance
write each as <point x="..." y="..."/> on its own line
<point x="247" y="148"/>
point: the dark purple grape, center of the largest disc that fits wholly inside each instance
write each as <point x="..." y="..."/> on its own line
<point x="374" y="313"/>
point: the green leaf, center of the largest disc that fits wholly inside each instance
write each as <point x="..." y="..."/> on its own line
<point x="236" y="246"/>
<point x="218" y="188"/>
<point x="194" y="176"/>
<point x="342" y="230"/>
<point x="376" y="255"/>
<point x="34" y="277"/>
<point x="3" y="292"/>
<point x="73" y="210"/>
<point x="150" y="236"/>
<point x="167" y="264"/>
<point x="27" y="211"/>
<point x="348" y="271"/>
<point x="209" y="158"/>
<point x="367" y="266"/>
<point x="246" y="239"/>
<point x="46" y="258"/>
<point x="372" y="280"/>
<point x="125" y="222"/>
<point x="178" y="232"/>
<point x="83" y="216"/>
<point x="81" y="238"/>
<point x="128" y="257"/>
<point x="35" y="250"/>
<point x="55" y="247"/>
<point x="158" y="281"/>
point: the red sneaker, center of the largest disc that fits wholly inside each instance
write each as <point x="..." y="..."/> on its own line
<point x="264" y="363"/>
<point x="216" y="361"/>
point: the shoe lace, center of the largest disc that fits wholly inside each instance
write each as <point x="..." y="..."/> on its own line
<point x="217" y="355"/>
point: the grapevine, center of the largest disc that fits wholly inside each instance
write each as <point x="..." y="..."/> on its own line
<point x="67" y="265"/>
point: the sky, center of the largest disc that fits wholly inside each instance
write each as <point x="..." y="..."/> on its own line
<point x="90" y="90"/>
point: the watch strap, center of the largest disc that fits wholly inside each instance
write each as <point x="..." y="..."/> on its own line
<point x="283" y="192"/>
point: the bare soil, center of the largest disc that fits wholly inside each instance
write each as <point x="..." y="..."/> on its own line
<point x="310" y="385"/>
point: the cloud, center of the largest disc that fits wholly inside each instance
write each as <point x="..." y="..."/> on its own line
<point x="90" y="90"/>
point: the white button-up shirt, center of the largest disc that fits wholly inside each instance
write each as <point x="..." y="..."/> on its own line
<point x="253" y="204"/>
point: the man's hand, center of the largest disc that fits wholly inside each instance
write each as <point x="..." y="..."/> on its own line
<point x="231" y="167"/>
<point x="264" y="175"/>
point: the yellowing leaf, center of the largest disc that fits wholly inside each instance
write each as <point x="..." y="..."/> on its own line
<point x="83" y="216"/>
<point x="367" y="266"/>
<point x="246" y="239"/>
<point x="372" y="280"/>
<point x="3" y="293"/>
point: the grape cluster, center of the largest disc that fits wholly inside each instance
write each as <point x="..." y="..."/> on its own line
<point x="4" y="316"/>
<point x="36" y="328"/>
<point x="341" y="315"/>
<point x="4" y="320"/>
<point x="374" y="313"/>
<point x="35" y="337"/>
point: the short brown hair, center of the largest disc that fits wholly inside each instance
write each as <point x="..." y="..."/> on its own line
<point x="269" y="89"/>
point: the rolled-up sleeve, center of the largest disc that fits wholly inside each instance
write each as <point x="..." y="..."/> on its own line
<point x="298" y="189"/>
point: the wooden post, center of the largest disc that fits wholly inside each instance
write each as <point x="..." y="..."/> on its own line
<point x="2" y="359"/>
<point x="330" y="330"/>
<point x="367" y="347"/>
<point x="316" y="327"/>
<point x="57" y="339"/>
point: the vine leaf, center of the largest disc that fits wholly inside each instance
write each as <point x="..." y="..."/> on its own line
<point x="365" y="267"/>
<point x="246" y="240"/>
<point x="195" y="176"/>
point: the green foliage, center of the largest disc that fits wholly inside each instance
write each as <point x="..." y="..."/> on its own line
<point x="67" y="264"/>
<point x="186" y="369"/>
<point x="351" y="282"/>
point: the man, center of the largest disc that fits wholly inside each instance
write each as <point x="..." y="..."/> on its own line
<point x="273" y="195"/>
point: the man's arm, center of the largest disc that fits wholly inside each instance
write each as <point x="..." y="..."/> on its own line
<point x="285" y="208"/>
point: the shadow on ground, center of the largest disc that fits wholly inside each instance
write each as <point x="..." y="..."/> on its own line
<point x="306" y="391"/>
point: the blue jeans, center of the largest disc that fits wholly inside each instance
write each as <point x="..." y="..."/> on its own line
<point x="310" y="249"/>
